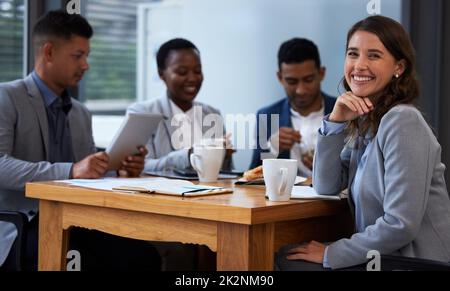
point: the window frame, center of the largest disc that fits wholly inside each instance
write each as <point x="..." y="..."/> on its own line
<point x="139" y="81"/>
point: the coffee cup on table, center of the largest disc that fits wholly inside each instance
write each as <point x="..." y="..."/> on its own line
<point x="207" y="159"/>
<point x="279" y="177"/>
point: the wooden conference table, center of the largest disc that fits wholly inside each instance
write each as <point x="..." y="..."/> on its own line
<point x="243" y="228"/>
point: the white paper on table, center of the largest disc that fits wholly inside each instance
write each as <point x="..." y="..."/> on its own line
<point x="307" y="192"/>
<point x="110" y="183"/>
<point x="299" y="180"/>
<point x="148" y="185"/>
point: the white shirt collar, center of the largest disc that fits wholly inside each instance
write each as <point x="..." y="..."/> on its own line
<point x="312" y="115"/>
<point x="178" y="112"/>
<point x="192" y="125"/>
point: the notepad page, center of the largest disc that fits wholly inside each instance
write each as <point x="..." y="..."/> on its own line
<point x="307" y="192"/>
<point x="110" y="183"/>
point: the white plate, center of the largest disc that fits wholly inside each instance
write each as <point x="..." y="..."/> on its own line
<point x="298" y="180"/>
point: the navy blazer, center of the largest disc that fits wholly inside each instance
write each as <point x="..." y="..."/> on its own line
<point x="283" y="109"/>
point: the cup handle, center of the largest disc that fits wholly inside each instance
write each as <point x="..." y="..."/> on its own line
<point x="282" y="189"/>
<point x="194" y="159"/>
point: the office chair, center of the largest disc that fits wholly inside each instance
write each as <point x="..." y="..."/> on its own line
<point x="397" y="263"/>
<point x="18" y="249"/>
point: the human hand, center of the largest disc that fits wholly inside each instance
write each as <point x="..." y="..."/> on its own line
<point x="311" y="252"/>
<point x="229" y="149"/>
<point x="285" y="139"/>
<point x="349" y="107"/>
<point x="307" y="159"/>
<point x="92" y="167"/>
<point x="133" y="166"/>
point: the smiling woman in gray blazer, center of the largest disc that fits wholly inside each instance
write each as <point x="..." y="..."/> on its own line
<point x="378" y="145"/>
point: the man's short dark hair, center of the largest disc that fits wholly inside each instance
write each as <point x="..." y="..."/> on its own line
<point x="62" y="25"/>
<point x="172" y="45"/>
<point x="298" y="50"/>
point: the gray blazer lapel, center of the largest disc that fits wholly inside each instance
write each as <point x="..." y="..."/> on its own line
<point x="166" y="110"/>
<point x="352" y="168"/>
<point x="39" y="107"/>
<point x="355" y="157"/>
<point x="205" y="113"/>
<point x="351" y="176"/>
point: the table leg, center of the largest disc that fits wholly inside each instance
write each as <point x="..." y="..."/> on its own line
<point x="245" y="247"/>
<point x="52" y="238"/>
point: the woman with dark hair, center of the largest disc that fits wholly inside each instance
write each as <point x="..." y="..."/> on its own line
<point x="377" y="144"/>
<point x="186" y="120"/>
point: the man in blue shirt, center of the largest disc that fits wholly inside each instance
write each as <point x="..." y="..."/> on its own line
<point x="57" y="108"/>
<point x="300" y="113"/>
<point x="46" y="135"/>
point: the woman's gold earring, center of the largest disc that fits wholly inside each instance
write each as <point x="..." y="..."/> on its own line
<point x="396" y="75"/>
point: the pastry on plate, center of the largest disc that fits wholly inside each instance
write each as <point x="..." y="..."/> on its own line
<point x="254" y="174"/>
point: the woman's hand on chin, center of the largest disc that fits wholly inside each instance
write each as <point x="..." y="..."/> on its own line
<point x="349" y="107"/>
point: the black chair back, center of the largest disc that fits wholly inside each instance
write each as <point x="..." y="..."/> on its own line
<point x="16" y="256"/>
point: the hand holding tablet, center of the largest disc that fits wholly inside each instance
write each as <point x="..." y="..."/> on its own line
<point x="135" y="131"/>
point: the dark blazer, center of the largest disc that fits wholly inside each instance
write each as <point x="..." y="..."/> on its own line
<point x="283" y="109"/>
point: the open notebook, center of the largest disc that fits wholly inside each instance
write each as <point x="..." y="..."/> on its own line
<point x="173" y="187"/>
<point x="149" y="185"/>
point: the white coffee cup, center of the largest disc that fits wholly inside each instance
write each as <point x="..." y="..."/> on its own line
<point x="207" y="161"/>
<point x="279" y="177"/>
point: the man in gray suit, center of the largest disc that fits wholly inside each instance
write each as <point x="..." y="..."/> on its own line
<point x="44" y="133"/>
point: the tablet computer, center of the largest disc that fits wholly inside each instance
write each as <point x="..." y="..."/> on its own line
<point x="135" y="131"/>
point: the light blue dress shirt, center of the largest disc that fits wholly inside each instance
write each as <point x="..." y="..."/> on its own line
<point x="331" y="128"/>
